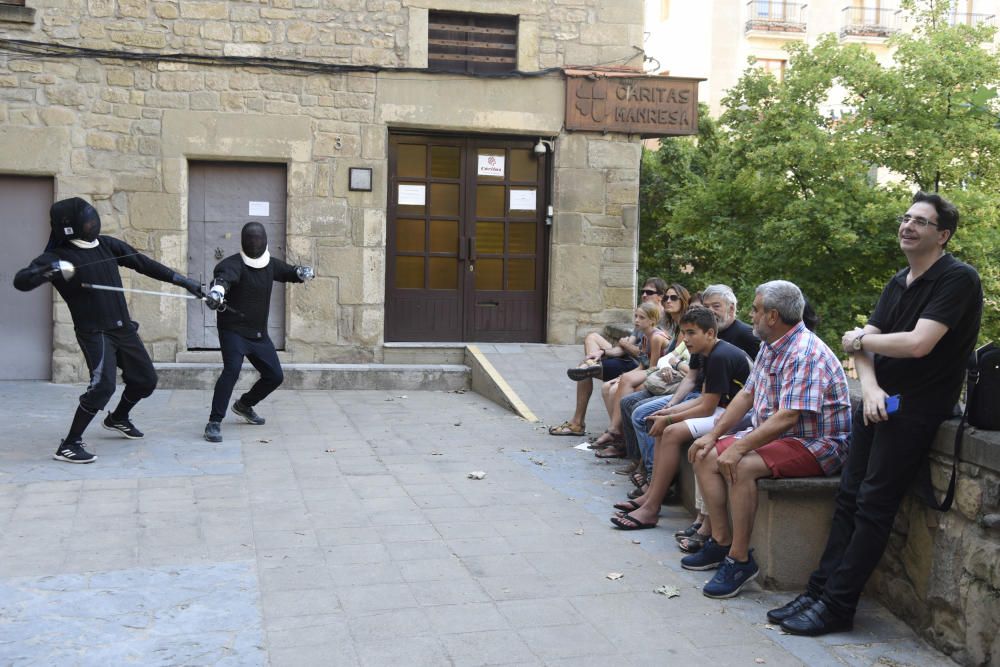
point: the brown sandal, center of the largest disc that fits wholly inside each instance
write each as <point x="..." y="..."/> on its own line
<point x="566" y="428"/>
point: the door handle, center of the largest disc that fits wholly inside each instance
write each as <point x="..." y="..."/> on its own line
<point x="472" y="254"/>
<point x="462" y="248"/>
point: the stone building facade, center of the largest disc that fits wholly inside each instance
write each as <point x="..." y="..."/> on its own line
<point x="113" y="100"/>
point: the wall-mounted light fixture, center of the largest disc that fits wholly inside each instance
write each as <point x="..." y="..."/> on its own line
<point x="360" y="179"/>
<point x="544" y="145"/>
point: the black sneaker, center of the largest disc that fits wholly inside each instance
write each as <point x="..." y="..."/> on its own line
<point x="125" y="427"/>
<point x="248" y="413"/>
<point x="73" y="453"/>
<point x="213" y="432"/>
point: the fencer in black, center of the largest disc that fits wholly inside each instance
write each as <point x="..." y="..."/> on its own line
<point x="78" y="254"/>
<point x="245" y="281"/>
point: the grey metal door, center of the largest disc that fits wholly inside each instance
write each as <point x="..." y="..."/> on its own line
<point x="222" y="197"/>
<point x="26" y="325"/>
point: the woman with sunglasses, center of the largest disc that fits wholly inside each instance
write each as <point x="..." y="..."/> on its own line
<point x="675" y="302"/>
<point x="605" y="361"/>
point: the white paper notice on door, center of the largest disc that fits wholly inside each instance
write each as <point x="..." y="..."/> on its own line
<point x="260" y="209"/>
<point x="522" y="200"/>
<point x="491" y="165"/>
<point x="412" y="195"/>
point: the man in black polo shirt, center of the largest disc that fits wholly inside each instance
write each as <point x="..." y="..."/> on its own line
<point x="721" y="300"/>
<point x="915" y="346"/>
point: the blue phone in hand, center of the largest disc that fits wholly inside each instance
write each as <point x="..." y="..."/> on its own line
<point x="892" y="404"/>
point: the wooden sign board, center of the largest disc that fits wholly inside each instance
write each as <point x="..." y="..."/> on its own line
<point x="651" y="106"/>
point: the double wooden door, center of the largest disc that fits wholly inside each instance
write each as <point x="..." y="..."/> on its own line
<point x="467" y="240"/>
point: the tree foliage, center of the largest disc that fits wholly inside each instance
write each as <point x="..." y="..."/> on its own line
<point x="777" y="189"/>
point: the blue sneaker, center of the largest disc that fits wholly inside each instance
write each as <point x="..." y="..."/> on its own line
<point x="731" y="578"/>
<point x="708" y="557"/>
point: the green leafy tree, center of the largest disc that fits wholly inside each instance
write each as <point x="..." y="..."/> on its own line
<point x="783" y="191"/>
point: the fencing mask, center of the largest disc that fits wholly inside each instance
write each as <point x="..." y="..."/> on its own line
<point x="253" y="242"/>
<point x="74" y="220"/>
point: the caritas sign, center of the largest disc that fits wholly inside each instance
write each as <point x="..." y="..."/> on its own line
<point x="652" y="106"/>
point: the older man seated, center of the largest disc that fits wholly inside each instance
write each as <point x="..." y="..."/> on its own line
<point x="801" y="413"/>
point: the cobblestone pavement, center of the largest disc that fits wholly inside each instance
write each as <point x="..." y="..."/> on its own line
<point x="346" y="531"/>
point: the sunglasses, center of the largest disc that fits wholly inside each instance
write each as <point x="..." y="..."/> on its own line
<point x="649" y="292"/>
<point x="671" y="297"/>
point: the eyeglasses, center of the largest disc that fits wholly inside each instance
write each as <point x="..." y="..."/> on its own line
<point x="649" y="292"/>
<point x="671" y="297"/>
<point x="918" y="221"/>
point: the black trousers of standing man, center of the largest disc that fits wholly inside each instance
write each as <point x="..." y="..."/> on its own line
<point x="883" y="460"/>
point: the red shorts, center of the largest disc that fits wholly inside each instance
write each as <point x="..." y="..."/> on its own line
<point x="785" y="458"/>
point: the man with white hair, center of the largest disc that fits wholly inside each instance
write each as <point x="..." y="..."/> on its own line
<point x="800" y="428"/>
<point x="721" y="300"/>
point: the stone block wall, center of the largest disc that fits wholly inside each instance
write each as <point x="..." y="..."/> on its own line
<point x="594" y="234"/>
<point x="941" y="571"/>
<point x="120" y="133"/>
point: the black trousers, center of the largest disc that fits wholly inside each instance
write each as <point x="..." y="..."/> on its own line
<point x="264" y="358"/>
<point x="105" y="352"/>
<point x="882" y="462"/>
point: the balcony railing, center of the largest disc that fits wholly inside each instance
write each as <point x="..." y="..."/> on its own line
<point x="961" y="18"/>
<point x="874" y="22"/>
<point x="768" y="16"/>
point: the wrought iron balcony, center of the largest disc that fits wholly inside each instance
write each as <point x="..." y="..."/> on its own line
<point x="961" y="18"/>
<point x="868" y="22"/>
<point x="766" y="16"/>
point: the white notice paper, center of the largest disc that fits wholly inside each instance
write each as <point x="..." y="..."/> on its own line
<point x="491" y="165"/>
<point x="522" y="200"/>
<point x="411" y="195"/>
<point x="260" y="209"/>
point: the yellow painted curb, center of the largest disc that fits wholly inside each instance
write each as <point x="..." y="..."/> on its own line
<point x="498" y="385"/>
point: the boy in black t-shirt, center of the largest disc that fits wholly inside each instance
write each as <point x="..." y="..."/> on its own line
<point x="722" y="373"/>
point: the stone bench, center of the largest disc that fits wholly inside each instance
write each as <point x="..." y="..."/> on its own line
<point x="793" y="520"/>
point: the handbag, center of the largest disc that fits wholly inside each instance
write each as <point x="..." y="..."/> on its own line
<point x="658" y="385"/>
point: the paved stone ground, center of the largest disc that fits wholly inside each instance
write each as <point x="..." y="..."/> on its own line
<point x="346" y="532"/>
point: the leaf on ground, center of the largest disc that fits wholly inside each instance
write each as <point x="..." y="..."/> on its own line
<point x="537" y="462"/>
<point x="614" y="576"/>
<point x="636" y="542"/>
<point x="476" y="474"/>
<point x="402" y="397"/>
<point x="436" y="453"/>
<point x="579" y="531"/>
<point x="768" y="626"/>
<point x="264" y="440"/>
<point x="525" y="449"/>
<point x="669" y="591"/>
<point x="329" y="451"/>
<point x="759" y="661"/>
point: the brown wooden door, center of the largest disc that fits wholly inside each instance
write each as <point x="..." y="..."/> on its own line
<point x="467" y="240"/>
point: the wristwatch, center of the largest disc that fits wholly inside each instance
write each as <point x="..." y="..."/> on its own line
<point x="856" y="343"/>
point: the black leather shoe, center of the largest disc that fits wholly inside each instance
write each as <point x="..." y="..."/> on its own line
<point x="793" y="608"/>
<point x="816" y="620"/>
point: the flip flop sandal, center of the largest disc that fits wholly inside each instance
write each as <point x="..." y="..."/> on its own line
<point x="689" y="531"/>
<point x="579" y="374"/>
<point x="566" y="429"/>
<point x="636" y="492"/>
<point x="638" y="478"/>
<point x="627" y="506"/>
<point x="616" y="439"/>
<point x="629" y="522"/>
<point x="612" y="452"/>
<point x="692" y="544"/>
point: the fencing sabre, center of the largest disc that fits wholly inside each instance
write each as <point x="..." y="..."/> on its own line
<point x="108" y="288"/>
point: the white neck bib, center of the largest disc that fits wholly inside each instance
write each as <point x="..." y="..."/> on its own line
<point x="258" y="263"/>
<point x="86" y="245"/>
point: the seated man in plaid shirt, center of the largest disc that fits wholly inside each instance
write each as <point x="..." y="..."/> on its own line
<point x="801" y="410"/>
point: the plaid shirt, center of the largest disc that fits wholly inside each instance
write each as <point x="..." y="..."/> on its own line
<point x="799" y="372"/>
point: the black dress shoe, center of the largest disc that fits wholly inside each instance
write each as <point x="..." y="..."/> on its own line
<point x="793" y="608"/>
<point x="816" y="620"/>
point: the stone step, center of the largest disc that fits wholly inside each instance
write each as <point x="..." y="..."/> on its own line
<point x="442" y="377"/>
<point x="424" y="353"/>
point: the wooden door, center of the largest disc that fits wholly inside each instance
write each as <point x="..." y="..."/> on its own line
<point x="222" y="197"/>
<point x="467" y="240"/>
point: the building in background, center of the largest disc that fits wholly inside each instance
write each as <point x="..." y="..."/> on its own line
<point x="418" y="153"/>
<point x="713" y="39"/>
